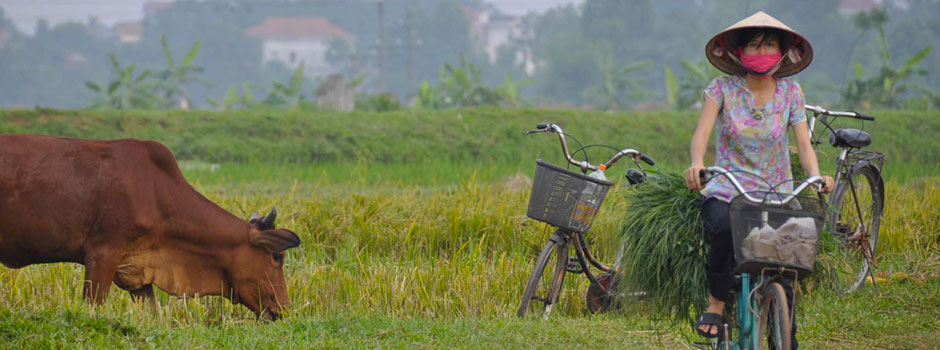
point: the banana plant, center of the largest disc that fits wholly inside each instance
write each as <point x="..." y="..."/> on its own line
<point x="696" y="77"/>
<point x="616" y="83"/>
<point x="175" y="76"/>
<point x="462" y="86"/>
<point x="509" y="91"/>
<point x="288" y="96"/>
<point x="427" y="96"/>
<point x="235" y="100"/>
<point x="886" y="88"/>
<point x="128" y="90"/>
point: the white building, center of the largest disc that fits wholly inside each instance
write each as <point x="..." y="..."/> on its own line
<point x="292" y="40"/>
<point x="129" y="32"/>
<point x="492" y="29"/>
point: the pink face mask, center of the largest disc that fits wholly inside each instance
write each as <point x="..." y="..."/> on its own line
<point x="760" y="63"/>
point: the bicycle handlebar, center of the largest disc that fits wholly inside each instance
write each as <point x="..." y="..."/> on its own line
<point x="712" y="172"/>
<point x="850" y="114"/>
<point x="584" y="165"/>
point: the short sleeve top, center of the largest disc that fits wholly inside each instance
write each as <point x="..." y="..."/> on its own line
<point x="751" y="139"/>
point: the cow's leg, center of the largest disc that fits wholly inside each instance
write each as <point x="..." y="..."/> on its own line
<point x="99" y="272"/>
<point x="145" y="294"/>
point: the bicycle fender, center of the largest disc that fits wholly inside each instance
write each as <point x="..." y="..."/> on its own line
<point x="861" y="163"/>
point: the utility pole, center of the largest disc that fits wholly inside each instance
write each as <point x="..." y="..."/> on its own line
<point x="381" y="4"/>
<point x="409" y="44"/>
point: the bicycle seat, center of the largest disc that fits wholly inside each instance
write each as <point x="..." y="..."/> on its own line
<point x="854" y="138"/>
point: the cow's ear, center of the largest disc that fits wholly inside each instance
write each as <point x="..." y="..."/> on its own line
<point x="275" y="240"/>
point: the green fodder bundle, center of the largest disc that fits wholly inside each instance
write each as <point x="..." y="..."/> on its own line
<point x="664" y="247"/>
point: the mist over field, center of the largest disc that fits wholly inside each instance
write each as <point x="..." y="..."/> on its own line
<point x="599" y="54"/>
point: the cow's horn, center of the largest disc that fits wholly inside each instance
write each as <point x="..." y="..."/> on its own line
<point x="268" y="221"/>
<point x="254" y="216"/>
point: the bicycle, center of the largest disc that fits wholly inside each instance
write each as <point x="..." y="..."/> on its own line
<point x="856" y="204"/>
<point x="775" y="239"/>
<point x="569" y="201"/>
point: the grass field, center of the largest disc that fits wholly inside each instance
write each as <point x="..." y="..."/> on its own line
<point x="433" y="253"/>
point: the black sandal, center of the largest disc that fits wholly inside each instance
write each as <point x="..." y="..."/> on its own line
<point x="709" y="319"/>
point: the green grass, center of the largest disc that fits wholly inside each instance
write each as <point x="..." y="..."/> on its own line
<point x="444" y="267"/>
<point x="432" y="252"/>
<point x="475" y="138"/>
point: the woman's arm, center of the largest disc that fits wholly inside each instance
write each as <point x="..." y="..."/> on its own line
<point x="808" y="156"/>
<point x="706" y="121"/>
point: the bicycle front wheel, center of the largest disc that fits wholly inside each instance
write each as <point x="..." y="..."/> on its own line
<point x="857" y="204"/>
<point x="548" y="274"/>
<point x="775" y="332"/>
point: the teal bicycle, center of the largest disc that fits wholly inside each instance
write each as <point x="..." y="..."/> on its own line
<point x="776" y="239"/>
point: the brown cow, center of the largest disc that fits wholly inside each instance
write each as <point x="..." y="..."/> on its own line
<point x="123" y="209"/>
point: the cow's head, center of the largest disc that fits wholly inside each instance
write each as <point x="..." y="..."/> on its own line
<point x="258" y="271"/>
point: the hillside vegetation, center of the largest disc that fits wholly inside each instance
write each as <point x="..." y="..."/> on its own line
<point x="471" y="136"/>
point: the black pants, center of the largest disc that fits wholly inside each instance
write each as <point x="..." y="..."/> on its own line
<point x="720" y="267"/>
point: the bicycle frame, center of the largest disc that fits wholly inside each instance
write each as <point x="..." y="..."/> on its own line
<point x="584" y="257"/>
<point x="746" y="305"/>
<point x="843" y="168"/>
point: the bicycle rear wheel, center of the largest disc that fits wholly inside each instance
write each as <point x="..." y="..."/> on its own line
<point x="775" y="330"/>
<point x="542" y="290"/>
<point x="854" y="221"/>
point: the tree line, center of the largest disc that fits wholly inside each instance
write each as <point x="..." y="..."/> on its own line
<point x="603" y="54"/>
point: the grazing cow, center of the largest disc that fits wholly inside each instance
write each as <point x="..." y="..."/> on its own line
<point x="123" y="209"/>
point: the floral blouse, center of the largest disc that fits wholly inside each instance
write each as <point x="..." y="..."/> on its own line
<point x="753" y="140"/>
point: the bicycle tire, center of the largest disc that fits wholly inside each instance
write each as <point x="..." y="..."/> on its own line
<point x="557" y="248"/>
<point x="774" y="324"/>
<point x="849" y="267"/>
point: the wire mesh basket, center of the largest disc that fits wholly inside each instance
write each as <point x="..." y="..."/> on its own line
<point x="768" y="235"/>
<point x="564" y="198"/>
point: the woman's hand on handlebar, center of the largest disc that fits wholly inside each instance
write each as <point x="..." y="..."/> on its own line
<point x="693" y="177"/>
<point x="829" y="184"/>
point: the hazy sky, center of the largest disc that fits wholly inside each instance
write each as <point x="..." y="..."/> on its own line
<point x="24" y="13"/>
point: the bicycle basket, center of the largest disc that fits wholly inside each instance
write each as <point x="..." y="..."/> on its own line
<point x="767" y="235"/>
<point x="564" y="198"/>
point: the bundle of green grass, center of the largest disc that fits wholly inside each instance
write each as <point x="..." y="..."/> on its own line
<point x="664" y="246"/>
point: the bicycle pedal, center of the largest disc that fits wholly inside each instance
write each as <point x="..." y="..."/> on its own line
<point x="574" y="266"/>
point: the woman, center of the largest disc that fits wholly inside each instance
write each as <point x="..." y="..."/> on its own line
<point x="753" y="108"/>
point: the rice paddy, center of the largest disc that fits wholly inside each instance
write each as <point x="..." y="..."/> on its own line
<point x="431" y="256"/>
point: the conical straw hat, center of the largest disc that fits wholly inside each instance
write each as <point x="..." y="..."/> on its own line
<point x="718" y="51"/>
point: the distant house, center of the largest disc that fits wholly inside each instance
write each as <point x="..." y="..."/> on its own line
<point x="152" y="7"/>
<point x="129" y="32"/>
<point x="492" y="29"/>
<point x="292" y="40"/>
